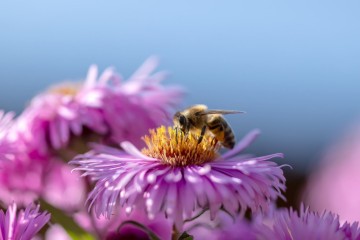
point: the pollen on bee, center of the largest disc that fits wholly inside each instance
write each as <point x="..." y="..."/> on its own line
<point x="176" y="148"/>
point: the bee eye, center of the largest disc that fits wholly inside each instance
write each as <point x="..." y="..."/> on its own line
<point x="182" y="120"/>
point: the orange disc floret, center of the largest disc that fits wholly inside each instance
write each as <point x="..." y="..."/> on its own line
<point x="176" y="148"/>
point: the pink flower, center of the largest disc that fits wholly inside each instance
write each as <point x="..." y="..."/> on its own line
<point x="223" y="227"/>
<point x="280" y="224"/>
<point x="121" y="226"/>
<point x="286" y="224"/>
<point x="333" y="185"/>
<point x="185" y="177"/>
<point x="6" y="122"/>
<point x="23" y="225"/>
<point x="21" y="179"/>
<point x="54" y="116"/>
<point x="60" y="122"/>
<point x="102" y="106"/>
<point x="159" y="226"/>
<point x="351" y="231"/>
<point x="56" y="232"/>
<point x="139" y="104"/>
<point x="27" y="177"/>
<point x="63" y="189"/>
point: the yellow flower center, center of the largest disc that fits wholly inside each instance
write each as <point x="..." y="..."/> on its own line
<point x="66" y="89"/>
<point x="175" y="148"/>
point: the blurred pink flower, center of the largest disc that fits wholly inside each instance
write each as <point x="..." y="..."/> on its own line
<point x="135" y="181"/>
<point x="6" y="122"/>
<point x="24" y="179"/>
<point x="160" y="226"/>
<point x="279" y="224"/>
<point x="56" y="232"/>
<point x="139" y="104"/>
<point x="22" y="225"/>
<point x="223" y="227"/>
<point x="286" y="224"/>
<point x="21" y="179"/>
<point x="333" y="185"/>
<point x="63" y="189"/>
<point x="105" y="228"/>
<point x="104" y="105"/>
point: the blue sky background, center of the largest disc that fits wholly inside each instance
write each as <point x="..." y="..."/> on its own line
<point x="293" y="66"/>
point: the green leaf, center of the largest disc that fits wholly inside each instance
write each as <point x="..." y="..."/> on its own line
<point x="76" y="236"/>
<point x="186" y="236"/>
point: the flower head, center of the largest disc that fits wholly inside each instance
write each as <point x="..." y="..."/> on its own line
<point x="139" y="104"/>
<point x="120" y="225"/>
<point x="22" y="225"/>
<point x="6" y="122"/>
<point x="181" y="177"/>
<point x="27" y="177"/>
<point x="289" y="224"/>
<point x="223" y="227"/>
<point x="103" y="106"/>
<point x="21" y="180"/>
<point x="351" y="231"/>
<point x="57" y="232"/>
<point x="173" y="148"/>
<point x="136" y="227"/>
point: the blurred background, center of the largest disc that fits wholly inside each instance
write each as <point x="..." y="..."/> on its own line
<point x="294" y="67"/>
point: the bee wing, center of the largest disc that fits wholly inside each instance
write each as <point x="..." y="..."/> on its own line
<point x="215" y="111"/>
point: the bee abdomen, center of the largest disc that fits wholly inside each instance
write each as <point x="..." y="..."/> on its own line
<point x="222" y="131"/>
<point x="229" y="139"/>
<point x="216" y="126"/>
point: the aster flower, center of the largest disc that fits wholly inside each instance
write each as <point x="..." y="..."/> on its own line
<point x="141" y="100"/>
<point x="138" y="226"/>
<point x="21" y="180"/>
<point x="6" y="121"/>
<point x="99" y="106"/>
<point x="223" y="227"/>
<point x="289" y="224"/>
<point x="352" y="231"/>
<point x="175" y="176"/>
<point x="56" y="232"/>
<point x="63" y="189"/>
<point x="64" y="110"/>
<point x="121" y="226"/>
<point x="28" y="177"/>
<point x="22" y="225"/>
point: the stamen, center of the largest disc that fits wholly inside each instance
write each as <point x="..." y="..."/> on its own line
<point x="175" y="148"/>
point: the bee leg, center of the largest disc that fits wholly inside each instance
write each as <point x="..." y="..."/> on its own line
<point x="176" y="135"/>
<point x="186" y="134"/>
<point x="202" y="134"/>
<point x="213" y="141"/>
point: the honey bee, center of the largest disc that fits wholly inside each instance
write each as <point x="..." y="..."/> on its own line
<point x="199" y="118"/>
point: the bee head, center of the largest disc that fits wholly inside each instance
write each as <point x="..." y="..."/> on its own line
<point x="180" y="121"/>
